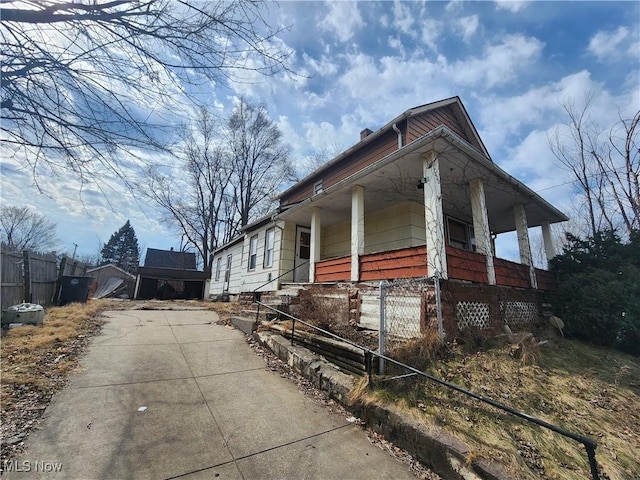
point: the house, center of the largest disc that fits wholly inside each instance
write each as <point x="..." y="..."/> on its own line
<point x="418" y="197"/>
<point x="169" y="275"/>
<point x="111" y="281"/>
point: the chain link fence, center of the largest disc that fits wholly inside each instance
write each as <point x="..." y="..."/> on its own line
<point x="408" y="307"/>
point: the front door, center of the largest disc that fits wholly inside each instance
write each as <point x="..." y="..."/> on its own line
<point x="303" y="254"/>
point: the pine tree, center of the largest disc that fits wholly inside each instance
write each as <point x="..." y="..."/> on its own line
<point x="122" y="249"/>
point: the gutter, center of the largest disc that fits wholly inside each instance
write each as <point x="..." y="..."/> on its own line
<point x="439" y="132"/>
<point x="397" y="130"/>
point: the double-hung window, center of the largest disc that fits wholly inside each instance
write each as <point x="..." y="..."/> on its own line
<point x="269" y="241"/>
<point x="218" y="269"/>
<point x="253" y="252"/>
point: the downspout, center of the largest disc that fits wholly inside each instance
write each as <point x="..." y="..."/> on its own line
<point x="397" y="130"/>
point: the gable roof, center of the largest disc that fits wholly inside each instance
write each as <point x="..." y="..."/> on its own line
<point x="453" y="102"/>
<point x="170" y="259"/>
<point x="110" y="266"/>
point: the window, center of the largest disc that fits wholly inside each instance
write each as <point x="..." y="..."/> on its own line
<point x="305" y="245"/>
<point x="317" y="187"/>
<point x="218" y="268"/>
<point x="269" y="240"/>
<point x="458" y="234"/>
<point x="253" y="251"/>
<point x="227" y="274"/>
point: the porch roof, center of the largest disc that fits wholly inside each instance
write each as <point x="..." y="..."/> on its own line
<point x="396" y="178"/>
<point x="460" y="112"/>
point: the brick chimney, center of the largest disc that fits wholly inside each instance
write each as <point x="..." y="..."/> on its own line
<point x="365" y="133"/>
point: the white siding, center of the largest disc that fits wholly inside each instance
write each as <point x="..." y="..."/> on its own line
<point x="399" y="226"/>
<point x="217" y="287"/>
<point x="287" y="251"/>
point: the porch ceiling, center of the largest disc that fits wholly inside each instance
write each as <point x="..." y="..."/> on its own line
<point x="396" y="178"/>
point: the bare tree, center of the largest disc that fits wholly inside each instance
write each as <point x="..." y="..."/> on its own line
<point x="83" y="81"/>
<point x="24" y="229"/>
<point x="606" y="168"/>
<point x="200" y="205"/>
<point x="259" y="157"/>
<point x="315" y="161"/>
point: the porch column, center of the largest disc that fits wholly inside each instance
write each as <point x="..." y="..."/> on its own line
<point x="433" y="217"/>
<point x="481" y="229"/>
<point x="523" y="242"/>
<point x="357" y="230"/>
<point x="549" y="249"/>
<point x="315" y="242"/>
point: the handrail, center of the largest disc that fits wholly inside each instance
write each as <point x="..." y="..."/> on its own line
<point x="255" y="290"/>
<point x="589" y="444"/>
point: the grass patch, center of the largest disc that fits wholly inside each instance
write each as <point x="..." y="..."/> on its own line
<point x="586" y="390"/>
<point x="37" y="360"/>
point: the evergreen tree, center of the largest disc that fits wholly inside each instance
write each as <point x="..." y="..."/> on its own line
<point x="122" y="249"/>
<point x="598" y="294"/>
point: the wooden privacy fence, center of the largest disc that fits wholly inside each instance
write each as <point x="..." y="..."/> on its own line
<point x="31" y="277"/>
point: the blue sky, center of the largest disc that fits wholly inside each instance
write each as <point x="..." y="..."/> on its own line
<point x="363" y="63"/>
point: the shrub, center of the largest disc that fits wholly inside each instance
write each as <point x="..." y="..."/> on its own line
<point x="598" y="294"/>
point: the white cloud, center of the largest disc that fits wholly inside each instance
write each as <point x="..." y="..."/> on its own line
<point x="403" y="18"/>
<point x="502" y="117"/>
<point x="513" y="6"/>
<point x="324" y="66"/>
<point x="607" y="45"/>
<point x="395" y="42"/>
<point x="454" y="5"/>
<point x="343" y="19"/>
<point x="467" y="26"/>
<point x="405" y="82"/>
<point x="431" y="33"/>
<point x="499" y="63"/>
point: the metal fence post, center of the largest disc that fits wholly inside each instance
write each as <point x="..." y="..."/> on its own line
<point x="382" y="327"/>
<point x="439" y="305"/>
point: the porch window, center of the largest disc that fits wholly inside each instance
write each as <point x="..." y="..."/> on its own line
<point x="269" y="240"/>
<point x="459" y="234"/>
<point x="218" y="268"/>
<point x="253" y="252"/>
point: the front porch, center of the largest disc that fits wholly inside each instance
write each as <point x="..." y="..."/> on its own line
<point x="412" y="263"/>
<point x="435" y="205"/>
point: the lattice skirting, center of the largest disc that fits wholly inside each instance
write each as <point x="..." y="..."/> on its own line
<point x="519" y="313"/>
<point x="472" y="314"/>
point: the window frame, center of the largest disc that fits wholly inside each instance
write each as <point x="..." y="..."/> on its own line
<point x="218" y="269"/>
<point x="269" y="247"/>
<point x="253" y="252"/>
<point x="462" y="244"/>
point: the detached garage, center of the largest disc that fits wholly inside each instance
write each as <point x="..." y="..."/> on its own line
<point x="170" y="275"/>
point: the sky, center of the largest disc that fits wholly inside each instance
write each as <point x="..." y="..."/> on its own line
<point x="360" y="64"/>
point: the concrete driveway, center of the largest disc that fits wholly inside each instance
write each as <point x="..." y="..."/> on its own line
<point x="168" y="394"/>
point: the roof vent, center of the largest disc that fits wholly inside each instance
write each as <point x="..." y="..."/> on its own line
<point x="365" y="133"/>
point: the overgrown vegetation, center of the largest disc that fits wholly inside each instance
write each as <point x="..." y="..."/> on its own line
<point x="323" y="310"/>
<point x="36" y="362"/>
<point x="587" y="390"/>
<point x="598" y="294"/>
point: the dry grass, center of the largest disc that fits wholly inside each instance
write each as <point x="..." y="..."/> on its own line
<point x="585" y="390"/>
<point x="37" y="360"/>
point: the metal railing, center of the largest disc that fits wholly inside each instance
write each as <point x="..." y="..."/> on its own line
<point x="255" y="290"/>
<point x="589" y="444"/>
